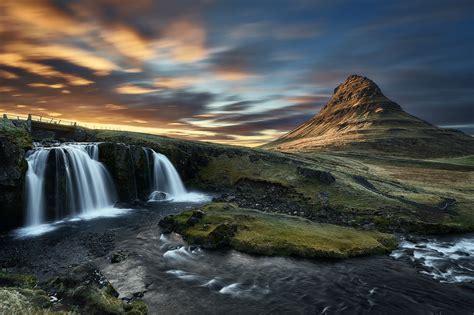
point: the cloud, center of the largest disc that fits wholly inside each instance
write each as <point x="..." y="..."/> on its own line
<point x="51" y="86"/>
<point x="175" y="82"/>
<point x="8" y="75"/>
<point x="128" y="42"/>
<point x="42" y="18"/>
<point x="18" y="61"/>
<point x="115" y="107"/>
<point x="134" y="89"/>
<point x="55" y="51"/>
<point x="184" y="39"/>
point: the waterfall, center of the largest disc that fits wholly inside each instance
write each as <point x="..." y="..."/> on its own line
<point x="65" y="181"/>
<point x="35" y="187"/>
<point x="164" y="178"/>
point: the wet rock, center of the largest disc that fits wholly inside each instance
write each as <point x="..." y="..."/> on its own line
<point x="221" y="236"/>
<point x="323" y="177"/>
<point x="118" y="257"/>
<point x="168" y="224"/>
<point x="99" y="244"/>
<point x="158" y="196"/>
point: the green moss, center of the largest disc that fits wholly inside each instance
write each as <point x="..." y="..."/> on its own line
<point x="17" y="135"/>
<point x="17" y="280"/>
<point x="83" y="294"/>
<point x="273" y="234"/>
<point x="136" y="308"/>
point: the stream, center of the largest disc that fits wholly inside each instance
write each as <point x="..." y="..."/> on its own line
<point x="177" y="279"/>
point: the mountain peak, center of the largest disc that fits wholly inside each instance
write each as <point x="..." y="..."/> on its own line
<point x="359" y="91"/>
<point x="358" y="83"/>
<point x="359" y="117"/>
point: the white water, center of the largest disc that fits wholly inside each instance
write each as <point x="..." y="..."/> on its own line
<point x="445" y="261"/>
<point x="89" y="190"/>
<point x="165" y="179"/>
<point x="35" y="187"/>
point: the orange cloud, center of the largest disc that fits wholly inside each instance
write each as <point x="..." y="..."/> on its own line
<point x="8" y="75"/>
<point x="52" y="86"/>
<point x="134" y="89"/>
<point x="185" y="40"/>
<point x="232" y="74"/>
<point x="42" y="18"/>
<point x="128" y="42"/>
<point x="56" y="51"/>
<point x="17" y="61"/>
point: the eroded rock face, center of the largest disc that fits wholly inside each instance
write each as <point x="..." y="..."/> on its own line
<point x="126" y="165"/>
<point x="12" y="176"/>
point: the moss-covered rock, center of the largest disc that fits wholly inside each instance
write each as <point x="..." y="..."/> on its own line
<point x="14" y="141"/>
<point x="87" y="291"/>
<point x="17" y="280"/>
<point x="226" y="225"/>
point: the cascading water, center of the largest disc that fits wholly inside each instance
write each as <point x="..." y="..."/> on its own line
<point x="165" y="181"/>
<point x="35" y="187"/>
<point x="66" y="181"/>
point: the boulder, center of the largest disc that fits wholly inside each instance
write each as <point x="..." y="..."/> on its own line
<point x="323" y="177"/>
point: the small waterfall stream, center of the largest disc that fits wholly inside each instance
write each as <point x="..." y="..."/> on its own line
<point x="165" y="182"/>
<point x="66" y="181"/>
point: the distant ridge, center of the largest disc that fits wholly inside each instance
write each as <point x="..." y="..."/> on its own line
<point x="358" y="117"/>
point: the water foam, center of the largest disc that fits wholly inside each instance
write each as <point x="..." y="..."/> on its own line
<point x="445" y="261"/>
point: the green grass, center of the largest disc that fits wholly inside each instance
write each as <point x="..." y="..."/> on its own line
<point x="463" y="160"/>
<point x="18" y="135"/>
<point x="275" y="234"/>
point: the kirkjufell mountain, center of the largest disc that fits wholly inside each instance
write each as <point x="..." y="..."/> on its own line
<point x="358" y="117"/>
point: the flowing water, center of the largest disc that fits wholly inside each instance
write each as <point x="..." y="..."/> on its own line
<point x="65" y="181"/>
<point x="179" y="279"/>
<point x="166" y="183"/>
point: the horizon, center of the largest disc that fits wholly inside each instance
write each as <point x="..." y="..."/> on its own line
<point x="230" y="72"/>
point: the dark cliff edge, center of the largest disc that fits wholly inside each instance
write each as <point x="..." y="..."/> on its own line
<point x="14" y="142"/>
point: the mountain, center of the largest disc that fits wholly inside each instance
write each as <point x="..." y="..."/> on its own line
<point x="358" y="117"/>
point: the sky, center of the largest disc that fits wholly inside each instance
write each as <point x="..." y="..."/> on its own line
<point x="237" y="72"/>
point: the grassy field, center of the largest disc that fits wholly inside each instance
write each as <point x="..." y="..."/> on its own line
<point x="393" y="193"/>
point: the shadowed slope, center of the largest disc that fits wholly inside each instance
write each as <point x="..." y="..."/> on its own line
<point x="360" y="117"/>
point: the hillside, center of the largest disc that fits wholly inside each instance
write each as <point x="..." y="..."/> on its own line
<point x="358" y="117"/>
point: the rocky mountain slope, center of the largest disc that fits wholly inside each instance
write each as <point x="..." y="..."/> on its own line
<point x="359" y="117"/>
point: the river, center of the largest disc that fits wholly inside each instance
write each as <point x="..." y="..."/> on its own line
<point x="176" y="279"/>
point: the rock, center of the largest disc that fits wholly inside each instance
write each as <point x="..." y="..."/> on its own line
<point x="221" y="236"/>
<point x="198" y="214"/>
<point x="13" y="167"/>
<point x="168" y="224"/>
<point x="192" y="221"/>
<point x="158" y="196"/>
<point x="324" y="198"/>
<point x="118" y="257"/>
<point x="364" y="182"/>
<point x="322" y="176"/>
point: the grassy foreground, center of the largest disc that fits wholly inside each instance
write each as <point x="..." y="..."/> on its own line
<point x="225" y="225"/>
<point x="79" y="293"/>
